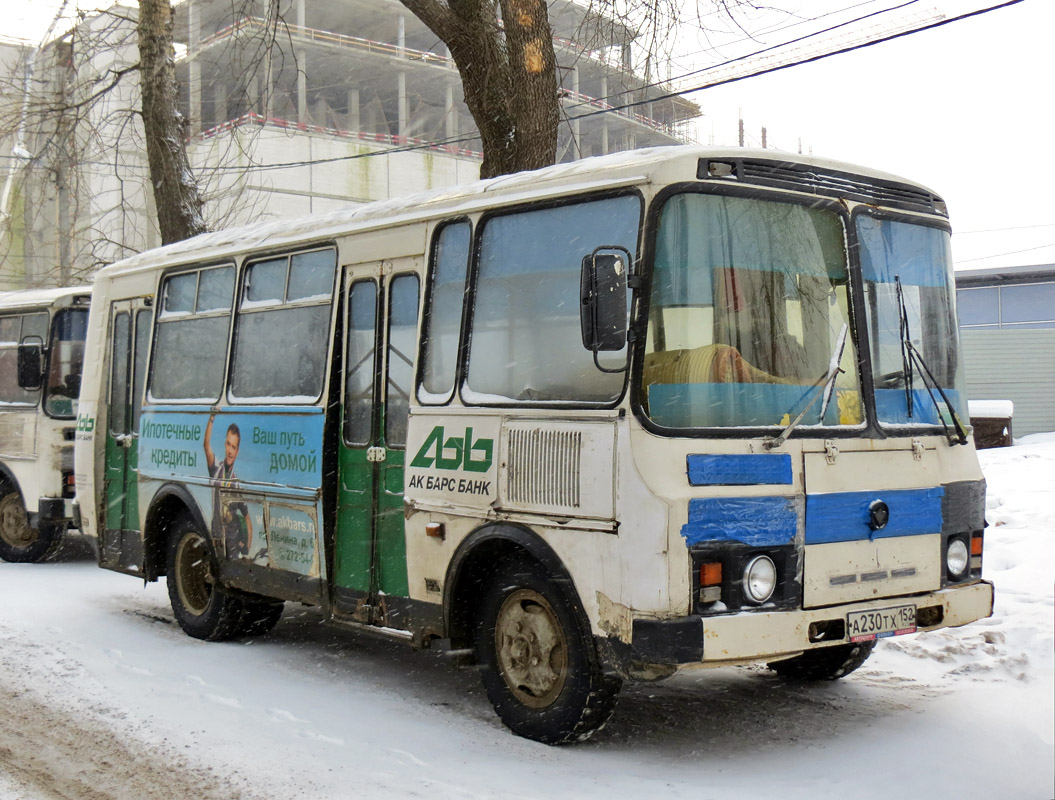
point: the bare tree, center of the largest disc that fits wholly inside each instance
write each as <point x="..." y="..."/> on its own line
<point x="505" y="55"/>
<point x="509" y="75"/>
<point x="76" y="181"/>
<point x="176" y="194"/>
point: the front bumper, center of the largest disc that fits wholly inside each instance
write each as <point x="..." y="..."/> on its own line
<point x="771" y="635"/>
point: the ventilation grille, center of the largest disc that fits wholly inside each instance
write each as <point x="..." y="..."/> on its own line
<point x="831" y="183"/>
<point x="544" y="468"/>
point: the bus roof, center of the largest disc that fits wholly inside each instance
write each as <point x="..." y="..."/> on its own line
<point x="30" y="298"/>
<point x="596" y="173"/>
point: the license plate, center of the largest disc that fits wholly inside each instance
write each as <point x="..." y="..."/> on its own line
<point x="863" y="626"/>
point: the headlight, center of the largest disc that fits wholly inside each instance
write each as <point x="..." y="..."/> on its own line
<point x="957" y="559"/>
<point x="760" y="579"/>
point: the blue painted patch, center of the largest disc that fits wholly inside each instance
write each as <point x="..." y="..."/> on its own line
<point x="755" y="521"/>
<point x="892" y="407"/>
<point x="739" y="470"/>
<point x="843" y="516"/>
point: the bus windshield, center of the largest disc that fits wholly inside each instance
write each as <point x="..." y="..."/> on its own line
<point x="66" y="356"/>
<point x="748" y="304"/>
<point x="910" y="304"/>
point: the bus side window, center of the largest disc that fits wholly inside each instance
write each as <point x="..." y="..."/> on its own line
<point x="285" y="310"/>
<point x="360" y="369"/>
<point x="190" y="348"/>
<point x="443" y="314"/>
<point x="402" y="337"/>
<point x="119" y="416"/>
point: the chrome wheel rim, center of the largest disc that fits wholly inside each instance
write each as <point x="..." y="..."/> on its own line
<point x="531" y="648"/>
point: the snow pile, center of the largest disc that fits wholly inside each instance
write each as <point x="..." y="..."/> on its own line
<point x="1017" y="642"/>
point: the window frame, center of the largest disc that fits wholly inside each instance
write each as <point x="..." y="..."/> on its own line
<point x="372" y="434"/>
<point x="241" y="288"/>
<point x="386" y="301"/>
<point x="472" y="290"/>
<point x="428" y="286"/>
<point x="38" y="394"/>
<point x="853" y="299"/>
<point x="159" y="321"/>
<point x="877" y="428"/>
<point x="58" y="313"/>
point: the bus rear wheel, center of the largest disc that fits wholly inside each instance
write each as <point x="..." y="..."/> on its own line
<point x="825" y="664"/>
<point x="537" y="664"/>
<point x="201" y="607"/>
<point x="19" y="543"/>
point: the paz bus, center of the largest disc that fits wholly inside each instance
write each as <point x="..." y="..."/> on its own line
<point x="604" y="421"/>
<point x="41" y="351"/>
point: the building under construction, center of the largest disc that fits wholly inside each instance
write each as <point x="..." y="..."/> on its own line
<point x="300" y="106"/>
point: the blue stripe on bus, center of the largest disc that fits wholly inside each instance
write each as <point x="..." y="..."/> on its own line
<point x="844" y="517"/>
<point x="739" y="470"/>
<point x="754" y="521"/>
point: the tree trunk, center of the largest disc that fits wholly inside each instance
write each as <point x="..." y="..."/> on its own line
<point x="176" y="195"/>
<point x="509" y="76"/>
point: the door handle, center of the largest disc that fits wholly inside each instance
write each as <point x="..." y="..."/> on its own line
<point x="376" y="453"/>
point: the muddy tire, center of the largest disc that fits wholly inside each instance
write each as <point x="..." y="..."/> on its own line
<point x="537" y="662"/>
<point x="201" y="607"/>
<point x="826" y="664"/>
<point x="260" y="617"/>
<point x="19" y="543"/>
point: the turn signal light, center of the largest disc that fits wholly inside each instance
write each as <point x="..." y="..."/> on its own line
<point x="976" y="545"/>
<point x="711" y="574"/>
<point x="435" y="530"/>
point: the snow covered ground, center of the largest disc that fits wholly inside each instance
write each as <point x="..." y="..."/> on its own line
<point x="102" y="696"/>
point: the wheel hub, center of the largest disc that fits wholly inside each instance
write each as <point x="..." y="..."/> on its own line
<point x="532" y="651"/>
<point x="14" y="527"/>
<point x="194" y="574"/>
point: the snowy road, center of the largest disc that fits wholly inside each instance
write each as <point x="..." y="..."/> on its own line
<point x="102" y="696"/>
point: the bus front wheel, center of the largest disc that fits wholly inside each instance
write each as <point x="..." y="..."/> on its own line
<point x="19" y="542"/>
<point x="201" y="607"/>
<point x="537" y="664"/>
<point x="825" y="664"/>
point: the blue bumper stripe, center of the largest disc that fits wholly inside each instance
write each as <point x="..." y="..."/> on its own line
<point x="843" y="516"/>
<point x="739" y="470"/>
<point x="835" y="517"/>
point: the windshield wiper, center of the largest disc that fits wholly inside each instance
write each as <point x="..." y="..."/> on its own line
<point x="828" y="381"/>
<point x="909" y="353"/>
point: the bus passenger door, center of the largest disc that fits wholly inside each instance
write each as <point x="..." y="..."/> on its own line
<point x="121" y="546"/>
<point x="380" y="340"/>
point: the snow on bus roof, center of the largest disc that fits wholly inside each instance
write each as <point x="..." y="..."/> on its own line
<point x="39" y="297"/>
<point x="597" y="172"/>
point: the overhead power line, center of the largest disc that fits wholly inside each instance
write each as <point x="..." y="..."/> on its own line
<point x="799" y="62"/>
<point x="1001" y="255"/>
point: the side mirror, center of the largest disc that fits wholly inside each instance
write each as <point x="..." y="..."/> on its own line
<point x="603" y="287"/>
<point x="31" y="363"/>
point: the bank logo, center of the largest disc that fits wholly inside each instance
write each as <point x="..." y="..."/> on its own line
<point x="455" y="452"/>
<point x="85" y="424"/>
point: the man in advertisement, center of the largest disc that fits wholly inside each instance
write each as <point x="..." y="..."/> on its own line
<point x="231" y="522"/>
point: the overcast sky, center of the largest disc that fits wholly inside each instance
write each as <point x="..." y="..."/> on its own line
<point x="965" y="109"/>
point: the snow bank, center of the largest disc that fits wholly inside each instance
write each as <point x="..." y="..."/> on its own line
<point x="990" y="408"/>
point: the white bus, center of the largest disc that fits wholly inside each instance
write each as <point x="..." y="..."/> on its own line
<point x="604" y="421"/>
<point x="41" y="352"/>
